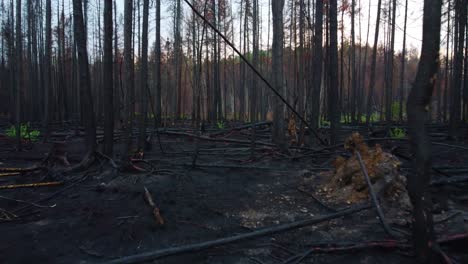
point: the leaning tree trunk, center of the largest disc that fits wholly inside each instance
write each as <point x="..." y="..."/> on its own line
<point x="85" y="79"/>
<point x="277" y="71"/>
<point x="418" y="102"/>
<point x="108" y="81"/>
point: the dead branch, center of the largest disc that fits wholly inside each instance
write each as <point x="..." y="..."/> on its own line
<point x="156" y="212"/>
<point x="26" y="202"/>
<point x="374" y="196"/>
<point x="27" y="185"/>
<point x="152" y="255"/>
<point x="224" y="140"/>
<point x="240" y="128"/>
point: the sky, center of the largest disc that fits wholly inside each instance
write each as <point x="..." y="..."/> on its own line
<point x="414" y="26"/>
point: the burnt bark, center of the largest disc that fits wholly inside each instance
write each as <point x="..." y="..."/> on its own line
<point x="87" y="107"/>
<point x="418" y="102"/>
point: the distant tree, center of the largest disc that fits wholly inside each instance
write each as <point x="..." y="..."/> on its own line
<point x="373" y="65"/>
<point x="459" y="38"/>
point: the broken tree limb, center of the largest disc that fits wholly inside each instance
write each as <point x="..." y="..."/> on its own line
<point x="247" y="62"/>
<point x="26" y="202"/>
<point x="26" y="185"/>
<point x="157" y="254"/>
<point x="240" y="128"/>
<point x="374" y="196"/>
<point x="156" y="212"/>
<point x="225" y="140"/>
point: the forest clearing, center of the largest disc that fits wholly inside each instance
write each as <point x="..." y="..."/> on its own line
<point x="251" y="131"/>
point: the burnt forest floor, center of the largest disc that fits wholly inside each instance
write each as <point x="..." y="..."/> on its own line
<point x="100" y="213"/>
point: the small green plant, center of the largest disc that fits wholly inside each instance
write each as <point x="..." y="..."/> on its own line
<point x="25" y="131"/>
<point x="220" y="124"/>
<point x="397" y="132"/>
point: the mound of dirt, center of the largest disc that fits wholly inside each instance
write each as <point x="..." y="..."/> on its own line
<point x="347" y="182"/>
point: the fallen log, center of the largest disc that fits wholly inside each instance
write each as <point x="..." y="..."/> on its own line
<point x="157" y="254"/>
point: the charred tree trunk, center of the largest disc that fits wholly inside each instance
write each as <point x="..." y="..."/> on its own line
<point x="418" y="102"/>
<point x="158" y="63"/>
<point x="403" y="64"/>
<point x="19" y="73"/>
<point x="373" y="65"/>
<point x="88" y="118"/>
<point x="128" y="77"/>
<point x="455" y="113"/>
<point x="316" y="69"/>
<point x="108" y="81"/>
<point x="144" y="77"/>
<point x="47" y="69"/>
<point x="277" y="71"/>
<point x="334" y="110"/>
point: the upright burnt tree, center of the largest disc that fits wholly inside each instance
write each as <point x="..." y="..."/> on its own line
<point x="87" y="107"/>
<point x="417" y="105"/>
<point x="314" y="98"/>
<point x="144" y="77"/>
<point x="108" y="81"/>
<point x="129" y="76"/>
<point x="459" y="38"/>
<point x="19" y="72"/>
<point x="333" y="107"/>
<point x="277" y="72"/>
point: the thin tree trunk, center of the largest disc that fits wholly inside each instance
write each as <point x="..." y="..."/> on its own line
<point x="333" y="72"/>
<point x="373" y="65"/>
<point x="158" y="63"/>
<point x="317" y="69"/>
<point x="455" y="113"/>
<point x="144" y="77"/>
<point x="19" y="73"/>
<point x="403" y="64"/>
<point x="108" y="81"/>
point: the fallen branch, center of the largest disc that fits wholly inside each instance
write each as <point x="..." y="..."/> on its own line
<point x="27" y="185"/>
<point x="374" y="196"/>
<point x="26" y="202"/>
<point x="224" y="140"/>
<point x="152" y="255"/>
<point x="334" y="247"/>
<point x="8" y="174"/>
<point x="316" y="199"/>
<point x="156" y="212"/>
<point x="240" y="128"/>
